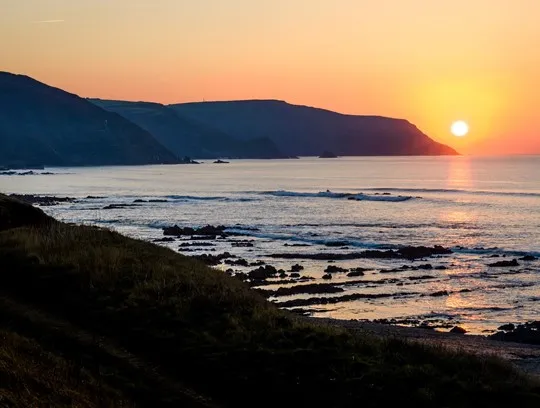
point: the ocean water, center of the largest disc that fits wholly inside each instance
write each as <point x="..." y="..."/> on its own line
<point x="485" y="209"/>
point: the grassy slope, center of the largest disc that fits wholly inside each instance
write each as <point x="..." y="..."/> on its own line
<point x="142" y="325"/>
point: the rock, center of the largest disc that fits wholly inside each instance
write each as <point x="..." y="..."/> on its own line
<point x="440" y="293"/>
<point x="213" y="260"/>
<point x="139" y="201"/>
<point x="524" y="333"/>
<point x="410" y="253"/>
<point x="507" y="327"/>
<point x="458" y="330"/>
<point x="242" y="244"/>
<point x="297" y="268"/>
<point x="283" y="275"/>
<point x="208" y="230"/>
<point x="195" y="244"/>
<point x="311" y="288"/>
<point x="45" y="201"/>
<point x="257" y="263"/>
<point x="119" y="206"/>
<point x="528" y="258"/>
<point x="294" y="275"/>
<point x="355" y="273"/>
<point x="263" y="272"/>
<point x="504" y="264"/>
<point x="221" y="162"/>
<point x="335" y="269"/>
<point x="164" y="240"/>
<point x="327" y="276"/>
<point x="425" y="267"/>
<point x="336" y="244"/>
<point x="237" y="262"/>
<point x="418" y="278"/>
<point x="441" y="268"/>
<point x="241" y="276"/>
<point x="158" y="201"/>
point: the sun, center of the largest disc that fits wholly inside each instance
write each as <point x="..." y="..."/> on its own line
<point x="459" y="128"/>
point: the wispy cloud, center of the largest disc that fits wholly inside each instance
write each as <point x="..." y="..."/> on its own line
<point x="48" y="21"/>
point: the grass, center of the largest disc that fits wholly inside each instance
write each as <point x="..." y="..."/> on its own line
<point x="92" y="318"/>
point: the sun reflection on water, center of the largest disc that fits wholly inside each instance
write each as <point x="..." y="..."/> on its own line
<point x="459" y="174"/>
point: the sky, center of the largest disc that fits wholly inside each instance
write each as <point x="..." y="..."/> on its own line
<point x="428" y="61"/>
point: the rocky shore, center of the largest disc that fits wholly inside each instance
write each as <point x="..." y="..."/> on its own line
<point x="524" y="356"/>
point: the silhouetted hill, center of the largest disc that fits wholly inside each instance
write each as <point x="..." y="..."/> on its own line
<point x="302" y="130"/>
<point x="187" y="137"/>
<point x="44" y="125"/>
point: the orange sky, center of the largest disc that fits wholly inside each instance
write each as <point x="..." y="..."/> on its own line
<point x="428" y="61"/>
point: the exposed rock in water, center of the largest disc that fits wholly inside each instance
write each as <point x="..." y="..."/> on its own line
<point x="440" y="293"/>
<point x="355" y="273"/>
<point x="45" y="201"/>
<point x="214" y="260"/>
<point x="313" y="288"/>
<point x="409" y="252"/>
<point x="504" y="264"/>
<point x="237" y="262"/>
<point x="195" y="244"/>
<point x="327" y="276"/>
<point x="336" y="244"/>
<point x="335" y="269"/>
<point x="208" y="230"/>
<point x="507" y="327"/>
<point x="339" y="299"/>
<point x="425" y="267"/>
<point x="297" y="268"/>
<point x="528" y="258"/>
<point x="165" y="240"/>
<point x="263" y="272"/>
<point x="242" y="244"/>
<point x="221" y="162"/>
<point x="119" y="206"/>
<point x="524" y="333"/>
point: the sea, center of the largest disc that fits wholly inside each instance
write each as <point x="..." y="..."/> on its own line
<point x="486" y="210"/>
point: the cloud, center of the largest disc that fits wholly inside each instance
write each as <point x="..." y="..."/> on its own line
<point x="48" y="21"/>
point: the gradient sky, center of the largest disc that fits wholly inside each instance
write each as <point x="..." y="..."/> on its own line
<point x="429" y="61"/>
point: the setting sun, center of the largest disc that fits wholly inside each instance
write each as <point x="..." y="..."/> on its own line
<point x="459" y="128"/>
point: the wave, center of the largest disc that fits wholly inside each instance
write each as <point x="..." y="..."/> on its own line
<point x="350" y="196"/>
<point x="209" y="198"/>
<point x="458" y="191"/>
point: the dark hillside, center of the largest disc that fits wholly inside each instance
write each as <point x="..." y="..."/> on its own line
<point x="41" y="125"/>
<point x="302" y="130"/>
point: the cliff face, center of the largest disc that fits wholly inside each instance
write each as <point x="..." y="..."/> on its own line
<point x="302" y="130"/>
<point x="187" y="137"/>
<point x="44" y="125"/>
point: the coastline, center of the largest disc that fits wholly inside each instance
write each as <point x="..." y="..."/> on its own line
<point x="525" y="357"/>
<point x="147" y="326"/>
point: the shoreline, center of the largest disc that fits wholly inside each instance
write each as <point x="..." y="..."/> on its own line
<point x="524" y="356"/>
<point x="291" y="288"/>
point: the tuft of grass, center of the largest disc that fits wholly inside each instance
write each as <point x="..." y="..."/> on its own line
<point x="31" y="376"/>
<point x="170" y="331"/>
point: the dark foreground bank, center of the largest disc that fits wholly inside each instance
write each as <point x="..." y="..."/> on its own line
<point x="91" y="318"/>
